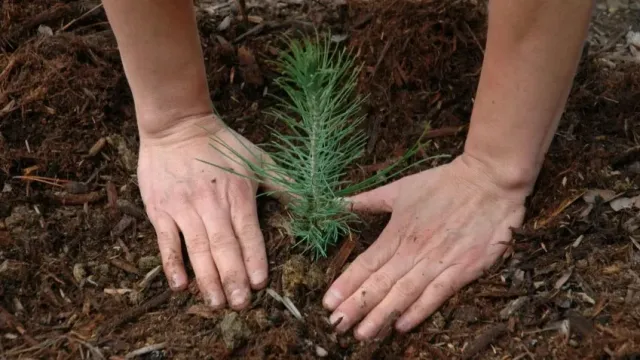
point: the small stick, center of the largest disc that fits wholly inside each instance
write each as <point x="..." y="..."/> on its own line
<point x="124" y="265"/>
<point x="8" y="68"/>
<point x="11" y="322"/>
<point x="444" y="132"/>
<point x="145" y="350"/>
<point x="137" y="311"/>
<point x="338" y="261"/>
<point x="484" y="340"/>
<point x="381" y="57"/>
<point x="243" y="10"/>
<point x="80" y="17"/>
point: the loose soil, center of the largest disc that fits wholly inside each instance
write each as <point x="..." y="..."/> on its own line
<point x="79" y="263"/>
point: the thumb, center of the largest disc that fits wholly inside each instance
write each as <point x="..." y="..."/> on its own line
<point x="380" y="199"/>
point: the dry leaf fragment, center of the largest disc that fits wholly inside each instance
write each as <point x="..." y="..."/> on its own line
<point x="591" y="195"/>
<point x="563" y="279"/>
<point x="202" y="311"/>
<point x="625" y="203"/>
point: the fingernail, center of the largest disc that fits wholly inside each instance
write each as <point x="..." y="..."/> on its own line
<point x="258" y="277"/>
<point x="215" y="300"/>
<point x="365" y="330"/>
<point x="332" y="299"/>
<point x="175" y="281"/>
<point x="403" y="325"/>
<point x="237" y="297"/>
<point x="337" y="319"/>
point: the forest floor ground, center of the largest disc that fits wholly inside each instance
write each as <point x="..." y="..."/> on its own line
<point x="72" y="258"/>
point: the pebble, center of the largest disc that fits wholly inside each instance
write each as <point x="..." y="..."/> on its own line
<point x="225" y="23"/>
<point x="79" y="272"/>
<point x="321" y="352"/>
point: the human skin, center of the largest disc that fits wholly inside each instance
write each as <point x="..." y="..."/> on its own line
<point x="448" y="224"/>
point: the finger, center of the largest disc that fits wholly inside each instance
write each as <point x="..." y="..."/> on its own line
<point x="197" y="242"/>
<point x="362" y="268"/>
<point x="371" y="292"/>
<point x="170" y="250"/>
<point x="403" y="293"/>
<point x="442" y="288"/>
<point x="244" y="218"/>
<point x="380" y="199"/>
<point x="274" y="182"/>
<point x="227" y="255"/>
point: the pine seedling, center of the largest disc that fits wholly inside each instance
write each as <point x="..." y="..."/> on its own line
<point x="322" y="115"/>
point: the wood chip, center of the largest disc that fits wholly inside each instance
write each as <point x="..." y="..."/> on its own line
<point x="124" y="265"/>
<point x="484" y="340"/>
<point x="340" y="258"/>
<point x="514" y="306"/>
<point x="564" y="278"/>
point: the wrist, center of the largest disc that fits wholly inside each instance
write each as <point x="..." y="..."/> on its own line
<point x="512" y="178"/>
<point x="165" y="129"/>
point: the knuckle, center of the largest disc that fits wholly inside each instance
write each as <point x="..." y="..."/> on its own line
<point x="382" y="281"/>
<point x="221" y="241"/>
<point x="249" y="230"/>
<point x="198" y="244"/>
<point x="407" y="288"/>
<point x="368" y="264"/>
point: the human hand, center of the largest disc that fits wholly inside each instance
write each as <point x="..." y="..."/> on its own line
<point x="214" y="209"/>
<point x="448" y="225"/>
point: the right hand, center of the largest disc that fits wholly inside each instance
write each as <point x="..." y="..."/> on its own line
<point x="214" y="209"/>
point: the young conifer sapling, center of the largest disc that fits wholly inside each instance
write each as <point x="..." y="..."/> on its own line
<point x="322" y="114"/>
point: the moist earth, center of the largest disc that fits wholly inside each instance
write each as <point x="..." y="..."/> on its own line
<point x="80" y="275"/>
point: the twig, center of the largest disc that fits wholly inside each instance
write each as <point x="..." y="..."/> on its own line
<point x="7" y="68"/>
<point x="136" y="312"/>
<point x="623" y="58"/>
<point x="341" y="257"/>
<point x="444" y="132"/>
<point x="11" y="322"/>
<point x="145" y="350"/>
<point x="124" y="265"/>
<point x="271" y="25"/>
<point x="79" y="199"/>
<point x="80" y="17"/>
<point x="484" y="340"/>
<point x="612" y="43"/>
<point x="473" y="35"/>
<point x="243" y="11"/>
<point x="381" y="57"/>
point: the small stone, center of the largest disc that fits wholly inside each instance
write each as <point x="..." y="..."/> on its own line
<point x="147" y="263"/>
<point x="79" y="272"/>
<point x="234" y="330"/>
<point x="321" y="352"/>
<point x="225" y="23"/>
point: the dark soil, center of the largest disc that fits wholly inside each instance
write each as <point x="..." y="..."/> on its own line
<point x="73" y="255"/>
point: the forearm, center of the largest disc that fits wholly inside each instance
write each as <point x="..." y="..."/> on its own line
<point x="162" y="58"/>
<point x="533" y="49"/>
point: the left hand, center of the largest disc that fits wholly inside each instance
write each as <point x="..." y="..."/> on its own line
<point x="448" y="225"/>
